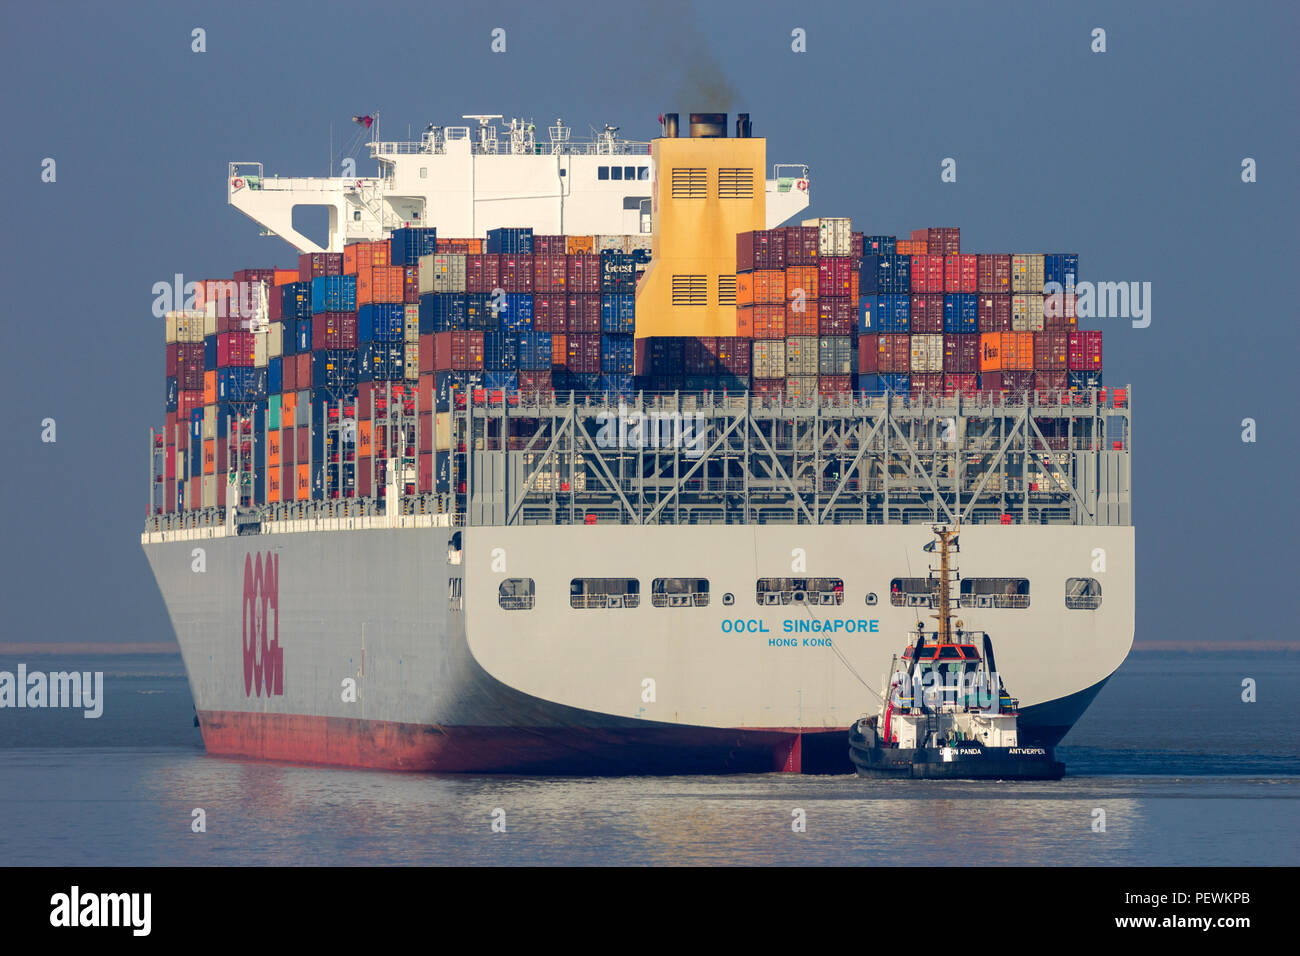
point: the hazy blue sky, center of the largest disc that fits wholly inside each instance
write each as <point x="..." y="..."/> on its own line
<point x="1131" y="158"/>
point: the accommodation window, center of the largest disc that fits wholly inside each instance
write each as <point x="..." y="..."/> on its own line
<point x="1082" y="594"/>
<point x="690" y="290"/>
<point x="770" y="591"/>
<point x="604" y="592"/>
<point x="629" y="172"/>
<point x="643" y="173"/>
<point x="995" y="592"/>
<point x="602" y="172"/>
<point x="516" y="594"/>
<point x="679" y="592"/>
<point x="424" y="172"/>
<point x="616" y="172"/>
<point x="913" y="592"/>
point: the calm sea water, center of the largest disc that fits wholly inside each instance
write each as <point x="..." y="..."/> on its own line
<point x="1185" y="772"/>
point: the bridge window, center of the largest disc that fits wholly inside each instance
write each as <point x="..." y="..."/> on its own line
<point x="516" y="594"/>
<point x="1082" y="594"/>
<point x="913" y="592"/>
<point x="604" y="592"/>
<point x="602" y="172"/>
<point x="995" y="592"/>
<point x="770" y="591"/>
<point x="643" y="173"/>
<point x="679" y="592"/>
<point x="424" y="172"/>
<point x="616" y="172"/>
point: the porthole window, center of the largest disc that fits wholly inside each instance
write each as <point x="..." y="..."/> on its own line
<point x="1082" y="594"/>
<point x="516" y="594"/>
<point x="728" y="599"/>
<point x="871" y="599"/>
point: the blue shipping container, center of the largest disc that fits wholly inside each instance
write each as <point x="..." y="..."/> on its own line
<point x="879" y="245"/>
<point x="412" y="242"/>
<point x="617" y="273"/>
<point x="617" y="354"/>
<point x="507" y="380"/>
<point x="173" y="394"/>
<point x="295" y="300"/>
<point x="618" y="313"/>
<point x="381" y="322"/>
<point x="517" y="313"/>
<point x="1059" y="266"/>
<point x="334" y="294"/>
<point x="288" y="336"/>
<point x="443" y="312"/>
<point x="534" y="350"/>
<point x="381" y="362"/>
<point x="617" y="386"/>
<point x="481" y="310"/>
<point x="886" y="273"/>
<point x="960" y="313"/>
<point x="275" y="376"/>
<point x="511" y="241"/>
<point x="334" y="369"/>
<point x="303" y="335"/>
<point x="500" y="351"/>
<point x="209" y="353"/>
<point x="241" y="384"/>
<point x="900" y="383"/>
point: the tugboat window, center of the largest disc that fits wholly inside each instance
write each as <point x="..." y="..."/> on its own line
<point x="516" y="594"/>
<point x="995" y="592"/>
<point x="586" y="593"/>
<point x="815" y="591"/>
<point x="1082" y="594"/>
<point x="679" y="592"/>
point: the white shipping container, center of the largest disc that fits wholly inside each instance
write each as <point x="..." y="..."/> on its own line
<point x="411" y="370"/>
<point x="1027" y="272"/>
<point x="442" y="431"/>
<point x="259" y="349"/>
<point x="209" y="491"/>
<point x="411" y="324"/>
<point x="209" y="422"/>
<point x="442" y="272"/>
<point x="835" y="355"/>
<point x="768" y="359"/>
<point x="611" y="243"/>
<point x="189" y="327"/>
<point x="210" y="319"/>
<point x="927" y="353"/>
<point x="1026" y="312"/>
<point x="834" y="236"/>
<point x="801" y="355"/>
<point x="169" y="328"/>
<point x="800" y="388"/>
<point x="640" y="241"/>
<point x="275" y="343"/>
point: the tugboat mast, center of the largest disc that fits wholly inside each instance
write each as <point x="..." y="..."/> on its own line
<point x="946" y="572"/>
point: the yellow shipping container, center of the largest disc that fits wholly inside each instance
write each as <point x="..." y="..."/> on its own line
<point x="578" y="245"/>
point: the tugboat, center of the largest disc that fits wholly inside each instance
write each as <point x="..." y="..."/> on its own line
<point x="947" y="714"/>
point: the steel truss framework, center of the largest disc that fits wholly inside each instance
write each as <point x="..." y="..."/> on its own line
<point x="1035" y="458"/>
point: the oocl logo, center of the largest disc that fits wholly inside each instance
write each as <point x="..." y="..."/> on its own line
<point x="263" y="656"/>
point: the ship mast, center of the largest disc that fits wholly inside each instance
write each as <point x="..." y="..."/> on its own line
<point x="946" y="537"/>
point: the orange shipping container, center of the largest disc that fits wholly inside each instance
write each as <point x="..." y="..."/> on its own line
<point x="912" y="247"/>
<point x="364" y="445"/>
<point x="381" y="284"/>
<point x="764" y="287"/>
<point x="285" y="276"/>
<point x="302" y="490"/>
<point x="360" y="256"/>
<point x="273" y="448"/>
<point x="210" y="387"/>
<point x="801" y="277"/>
<point x="288" y="409"/>
<point x="273" y="484"/>
<point x="801" y="318"/>
<point x="194" y="494"/>
<point x="210" y="457"/>
<point x="1006" y="351"/>
<point x="580" y="245"/>
<point x="763" y="321"/>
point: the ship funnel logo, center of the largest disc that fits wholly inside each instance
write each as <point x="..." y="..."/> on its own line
<point x="263" y="656"/>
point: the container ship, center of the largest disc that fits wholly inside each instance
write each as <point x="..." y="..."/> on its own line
<point x="410" y="496"/>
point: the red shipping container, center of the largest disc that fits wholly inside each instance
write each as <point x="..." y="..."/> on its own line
<point x="760" y="249"/>
<point x="334" y="330"/>
<point x="583" y="353"/>
<point x="410" y="284"/>
<point x="583" y="313"/>
<point x="235" y="349"/>
<point x="482" y="273"/>
<point x="941" y="240"/>
<point x="1050" y="350"/>
<point x="994" y="313"/>
<point x="836" y="316"/>
<point x="994" y="274"/>
<point x="733" y="355"/>
<point x="302" y="443"/>
<point x="927" y="274"/>
<point x="188" y="399"/>
<point x="868" y="357"/>
<point x="550" y="273"/>
<point x="960" y="273"/>
<point x="834" y="386"/>
<point x="516" y="273"/>
<point x="460" y="351"/>
<point x="1053" y="381"/>
<point x="894" y="353"/>
<point x="801" y="246"/>
<point x="550" y="245"/>
<point x="583" y="273"/>
<point x="1060" y="312"/>
<point x="303" y="361"/>
<point x="560" y="350"/>
<point x="288" y="374"/>
<point x="701" y="355"/>
<point x="535" y="380"/>
<point x="1084" y="351"/>
<point x="961" y="353"/>
<point x="927" y="313"/>
<point x="427" y="347"/>
<point x="768" y="321"/>
<point x="550" y="313"/>
<point x="768" y="387"/>
<point x="313" y="264"/>
<point x="275" y="305"/>
<point x="929" y="383"/>
<point x="835" y="275"/>
<point x="169" y="359"/>
<point x="960" y="383"/>
<point x="856" y="243"/>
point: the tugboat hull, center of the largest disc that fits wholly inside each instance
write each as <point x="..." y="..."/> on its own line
<point x="956" y="763"/>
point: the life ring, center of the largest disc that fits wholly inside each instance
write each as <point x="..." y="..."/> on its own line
<point x="803" y="185"/>
<point x="237" y="182"/>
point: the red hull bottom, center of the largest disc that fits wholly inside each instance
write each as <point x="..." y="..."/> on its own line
<point x="387" y="745"/>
